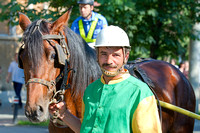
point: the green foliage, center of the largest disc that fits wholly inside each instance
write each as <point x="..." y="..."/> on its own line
<point x="156" y="28"/>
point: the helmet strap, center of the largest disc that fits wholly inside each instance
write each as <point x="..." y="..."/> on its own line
<point x="109" y="73"/>
<point x="88" y="14"/>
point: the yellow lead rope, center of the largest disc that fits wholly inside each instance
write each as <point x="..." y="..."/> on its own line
<point x="179" y="110"/>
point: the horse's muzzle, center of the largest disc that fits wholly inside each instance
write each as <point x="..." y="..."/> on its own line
<point x="35" y="114"/>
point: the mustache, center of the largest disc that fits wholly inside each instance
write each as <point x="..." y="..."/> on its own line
<point x="109" y="65"/>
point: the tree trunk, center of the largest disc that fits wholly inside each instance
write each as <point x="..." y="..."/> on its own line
<point x="194" y="65"/>
<point x="153" y="49"/>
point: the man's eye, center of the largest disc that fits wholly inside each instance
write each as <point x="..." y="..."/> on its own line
<point x="102" y="53"/>
<point x="116" y="55"/>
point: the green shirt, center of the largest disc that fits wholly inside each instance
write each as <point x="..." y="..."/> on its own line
<point x="110" y="108"/>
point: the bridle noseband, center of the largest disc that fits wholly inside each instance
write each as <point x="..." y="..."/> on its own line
<point x="43" y="82"/>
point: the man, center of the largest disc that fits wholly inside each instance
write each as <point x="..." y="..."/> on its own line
<point x="17" y="76"/>
<point x="90" y="23"/>
<point x="117" y="102"/>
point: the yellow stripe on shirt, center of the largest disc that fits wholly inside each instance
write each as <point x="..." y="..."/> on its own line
<point x="146" y="114"/>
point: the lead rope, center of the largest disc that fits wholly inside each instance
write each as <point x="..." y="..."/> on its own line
<point x="65" y="85"/>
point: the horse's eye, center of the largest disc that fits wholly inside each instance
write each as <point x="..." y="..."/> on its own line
<point x="53" y="56"/>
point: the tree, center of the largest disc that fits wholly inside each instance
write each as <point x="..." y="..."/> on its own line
<point x="156" y="28"/>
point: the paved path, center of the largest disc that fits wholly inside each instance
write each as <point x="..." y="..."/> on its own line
<point x="197" y="126"/>
<point x="6" y="116"/>
<point x="22" y="129"/>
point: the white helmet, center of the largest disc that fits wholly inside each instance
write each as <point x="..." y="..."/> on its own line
<point x="112" y="36"/>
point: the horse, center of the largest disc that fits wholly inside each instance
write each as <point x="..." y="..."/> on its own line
<point x="169" y="85"/>
<point x="40" y="61"/>
<point x="57" y="62"/>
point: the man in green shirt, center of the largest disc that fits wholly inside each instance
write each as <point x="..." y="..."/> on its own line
<point x="117" y="102"/>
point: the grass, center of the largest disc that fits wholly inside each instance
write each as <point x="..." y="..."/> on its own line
<point x="23" y="123"/>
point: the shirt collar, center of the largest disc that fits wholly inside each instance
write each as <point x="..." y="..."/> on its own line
<point x="124" y="76"/>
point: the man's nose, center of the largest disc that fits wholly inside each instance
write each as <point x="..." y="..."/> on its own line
<point x="109" y="59"/>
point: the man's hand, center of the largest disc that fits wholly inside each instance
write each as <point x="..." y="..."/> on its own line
<point x="8" y="77"/>
<point x="58" y="109"/>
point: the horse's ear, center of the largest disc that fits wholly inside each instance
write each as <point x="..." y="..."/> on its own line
<point x="24" y="21"/>
<point x="59" y="24"/>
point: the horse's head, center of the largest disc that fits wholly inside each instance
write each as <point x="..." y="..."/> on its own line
<point x="41" y="57"/>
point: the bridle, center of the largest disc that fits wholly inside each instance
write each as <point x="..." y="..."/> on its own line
<point x="63" y="57"/>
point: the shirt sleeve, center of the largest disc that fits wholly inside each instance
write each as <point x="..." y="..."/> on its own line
<point x="10" y="68"/>
<point x="104" y="21"/>
<point x="145" y="118"/>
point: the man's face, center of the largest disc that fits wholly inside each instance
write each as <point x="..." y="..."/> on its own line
<point x="16" y="56"/>
<point x="110" y="58"/>
<point x="85" y="10"/>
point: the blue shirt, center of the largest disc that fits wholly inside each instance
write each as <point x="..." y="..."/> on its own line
<point x="16" y="72"/>
<point x="102" y="22"/>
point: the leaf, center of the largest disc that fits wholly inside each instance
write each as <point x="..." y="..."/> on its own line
<point x="152" y="12"/>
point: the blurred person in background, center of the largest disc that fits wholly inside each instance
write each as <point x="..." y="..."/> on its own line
<point x="17" y="75"/>
<point x="173" y="62"/>
<point x="90" y="23"/>
<point x="184" y="68"/>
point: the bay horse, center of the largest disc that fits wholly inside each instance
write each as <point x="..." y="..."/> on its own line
<point x="51" y="50"/>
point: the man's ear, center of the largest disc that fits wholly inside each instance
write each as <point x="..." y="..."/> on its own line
<point x="92" y="7"/>
<point x="126" y="57"/>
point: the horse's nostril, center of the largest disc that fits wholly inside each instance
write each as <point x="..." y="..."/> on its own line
<point x="36" y="113"/>
<point x="27" y="113"/>
<point x="40" y="110"/>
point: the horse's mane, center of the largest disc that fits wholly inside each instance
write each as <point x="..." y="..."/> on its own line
<point x="82" y="60"/>
<point x="82" y="57"/>
<point x="33" y="41"/>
